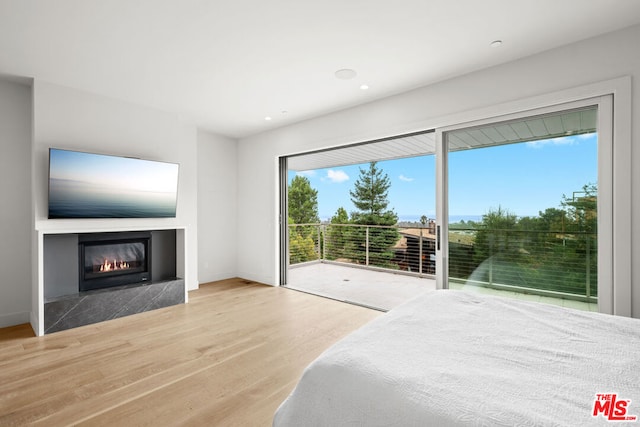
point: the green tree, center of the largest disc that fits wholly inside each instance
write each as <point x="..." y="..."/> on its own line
<point x="496" y="236"/>
<point x="557" y="250"/>
<point x="552" y="219"/>
<point x="303" y="201"/>
<point x="341" y="216"/>
<point x="303" y="209"/>
<point x="338" y="235"/>
<point x="541" y="233"/>
<point x="582" y="209"/>
<point x="370" y="197"/>
<point x="582" y="218"/>
<point x="301" y="248"/>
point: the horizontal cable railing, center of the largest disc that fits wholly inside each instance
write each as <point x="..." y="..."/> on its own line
<point x="305" y="243"/>
<point x="543" y="262"/>
<point x="551" y="261"/>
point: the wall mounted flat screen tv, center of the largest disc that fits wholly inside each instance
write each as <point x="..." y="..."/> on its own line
<point x="87" y="185"/>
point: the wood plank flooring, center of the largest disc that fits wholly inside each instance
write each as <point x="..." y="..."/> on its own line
<point x="228" y="358"/>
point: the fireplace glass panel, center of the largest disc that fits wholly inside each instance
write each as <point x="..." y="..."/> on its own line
<point x="113" y="259"/>
<point x="108" y="260"/>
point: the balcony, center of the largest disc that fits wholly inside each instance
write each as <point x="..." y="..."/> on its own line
<point x="381" y="266"/>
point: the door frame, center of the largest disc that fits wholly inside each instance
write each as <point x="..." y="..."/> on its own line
<point x="614" y="186"/>
<point x="621" y="90"/>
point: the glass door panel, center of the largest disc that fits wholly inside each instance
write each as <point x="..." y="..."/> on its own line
<point x="361" y="220"/>
<point x="523" y="208"/>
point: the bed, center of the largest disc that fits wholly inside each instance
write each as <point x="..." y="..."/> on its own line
<point x="450" y="358"/>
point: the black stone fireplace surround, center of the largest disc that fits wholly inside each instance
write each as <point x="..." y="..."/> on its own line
<point x="66" y="306"/>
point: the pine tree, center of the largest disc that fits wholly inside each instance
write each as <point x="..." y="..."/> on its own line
<point x="303" y="201"/>
<point x="370" y="197"/>
<point x="338" y="235"/>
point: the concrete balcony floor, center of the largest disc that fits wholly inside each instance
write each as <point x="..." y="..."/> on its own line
<point x="382" y="290"/>
<point x="371" y="288"/>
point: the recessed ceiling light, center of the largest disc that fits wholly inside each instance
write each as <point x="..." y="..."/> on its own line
<point x="345" y="74"/>
<point x="267" y="118"/>
<point x="496" y="43"/>
<point x="364" y="87"/>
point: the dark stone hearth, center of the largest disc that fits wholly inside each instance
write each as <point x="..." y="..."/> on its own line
<point x="105" y="304"/>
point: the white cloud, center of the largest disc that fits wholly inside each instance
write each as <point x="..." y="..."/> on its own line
<point x="306" y="173"/>
<point x="404" y="178"/>
<point x="337" y="176"/>
<point x="587" y="135"/>
<point x="563" y="140"/>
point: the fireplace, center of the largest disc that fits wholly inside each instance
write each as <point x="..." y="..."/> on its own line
<point x="113" y="259"/>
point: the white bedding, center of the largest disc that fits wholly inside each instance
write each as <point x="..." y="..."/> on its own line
<point x="455" y="358"/>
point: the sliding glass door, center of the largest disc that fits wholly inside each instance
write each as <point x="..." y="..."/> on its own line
<point x="527" y="203"/>
<point x="358" y="221"/>
<point x="523" y="208"/>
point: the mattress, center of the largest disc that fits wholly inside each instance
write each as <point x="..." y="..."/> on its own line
<point x="452" y="358"/>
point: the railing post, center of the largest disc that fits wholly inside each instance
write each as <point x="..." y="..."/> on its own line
<point x="288" y="245"/>
<point x="324" y="242"/>
<point x="366" y="247"/>
<point x="319" y="244"/>
<point x="588" y="263"/>
<point x="491" y="239"/>
<point x="420" y="253"/>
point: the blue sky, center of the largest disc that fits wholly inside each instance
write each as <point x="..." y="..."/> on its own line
<point x="523" y="178"/>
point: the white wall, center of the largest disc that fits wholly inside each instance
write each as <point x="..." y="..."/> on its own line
<point x="71" y="119"/>
<point x="67" y="118"/>
<point x="217" y="198"/>
<point x="602" y="58"/>
<point x="15" y="214"/>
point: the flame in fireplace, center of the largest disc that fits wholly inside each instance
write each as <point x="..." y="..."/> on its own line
<point x="113" y="265"/>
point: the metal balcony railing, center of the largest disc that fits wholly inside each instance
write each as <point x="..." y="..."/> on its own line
<point x="552" y="263"/>
<point x="557" y="264"/>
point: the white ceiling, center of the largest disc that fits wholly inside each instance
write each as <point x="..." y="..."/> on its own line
<point x="226" y="64"/>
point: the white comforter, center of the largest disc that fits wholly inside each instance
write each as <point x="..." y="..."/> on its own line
<point x="455" y="358"/>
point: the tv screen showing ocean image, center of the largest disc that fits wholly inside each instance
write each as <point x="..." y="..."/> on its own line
<point x="86" y="185"/>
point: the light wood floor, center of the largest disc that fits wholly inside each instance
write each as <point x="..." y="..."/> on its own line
<point x="227" y="358"/>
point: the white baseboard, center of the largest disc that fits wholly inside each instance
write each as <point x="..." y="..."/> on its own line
<point x="256" y="278"/>
<point x="13" y="319"/>
<point x="217" y="276"/>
